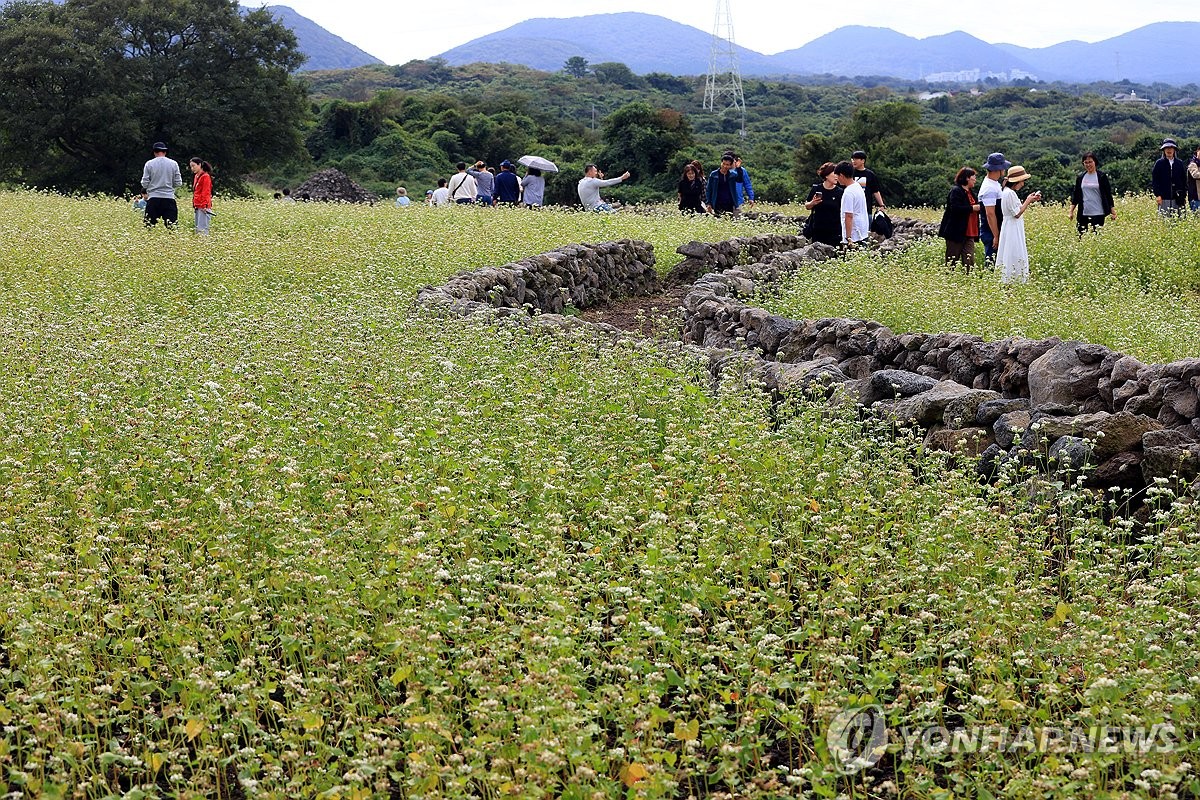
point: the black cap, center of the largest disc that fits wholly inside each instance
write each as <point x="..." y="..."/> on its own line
<point x="158" y="146"/>
<point x="859" y="154"/>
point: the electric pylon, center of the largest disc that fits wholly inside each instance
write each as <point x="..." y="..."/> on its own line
<point x="723" y="88"/>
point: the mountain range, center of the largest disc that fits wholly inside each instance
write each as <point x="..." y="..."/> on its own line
<point x="323" y="49"/>
<point x="1162" y="51"/>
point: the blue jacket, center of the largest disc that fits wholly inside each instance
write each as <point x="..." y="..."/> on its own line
<point x="745" y="189"/>
<point x="737" y="176"/>
<point x="1166" y="182"/>
<point x="508" y="187"/>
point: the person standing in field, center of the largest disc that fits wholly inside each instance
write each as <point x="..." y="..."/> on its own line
<point x="441" y="195"/>
<point x="872" y="188"/>
<point x="508" y="185"/>
<point x="690" y="190"/>
<point x="960" y="222"/>
<point x="160" y="179"/>
<point x="991" y="218"/>
<point x="1092" y="196"/>
<point x="462" y="186"/>
<point x="485" y="183"/>
<point x="402" y="199"/>
<point x="721" y="192"/>
<point x="1169" y="180"/>
<point x="1012" y="254"/>
<point x="201" y="193"/>
<point x="533" y="188"/>
<point x="824" y="204"/>
<point x="856" y="222"/>
<point x="1194" y="181"/>
<point x="745" y="189"/>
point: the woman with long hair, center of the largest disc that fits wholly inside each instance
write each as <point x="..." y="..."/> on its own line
<point x="201" y="193"/>
<point x="691" y="190"/>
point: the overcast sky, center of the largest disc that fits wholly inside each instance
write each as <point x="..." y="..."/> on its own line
<point x="401" y="31"/>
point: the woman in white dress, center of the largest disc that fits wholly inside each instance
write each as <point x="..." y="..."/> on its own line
<point x="1012" y="256"/>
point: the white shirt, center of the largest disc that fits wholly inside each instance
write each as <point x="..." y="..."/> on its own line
<point x="854" y="201"/>
<point x="463" y="187"/>
<point x="441" y="196"/>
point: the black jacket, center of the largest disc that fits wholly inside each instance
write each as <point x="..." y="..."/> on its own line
<point x="956" y="216"/>
<point x="1106" y="195"/>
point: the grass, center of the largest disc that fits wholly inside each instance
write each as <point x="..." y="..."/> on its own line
<point x="271" y="532"/>
<point x="1132" y="287"/>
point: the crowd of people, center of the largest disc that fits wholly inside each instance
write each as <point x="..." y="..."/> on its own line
<point x="480" y="184"/>
<point x="995" y="214"/>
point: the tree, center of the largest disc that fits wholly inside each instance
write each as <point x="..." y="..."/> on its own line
<point x="87" y="86"/>
<point x="644" y="140"/>
<point x="576" y="67"/>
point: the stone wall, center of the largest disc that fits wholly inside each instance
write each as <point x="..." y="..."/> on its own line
<point x="579" y="275"/>
<point x="1042" y="401"/>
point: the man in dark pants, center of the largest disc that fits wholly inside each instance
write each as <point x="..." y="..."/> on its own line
<point x="160" y="179"/>
<point x="721" y="190"/>
<point x="1169" y="181"/>
<point x="989" y="197"/>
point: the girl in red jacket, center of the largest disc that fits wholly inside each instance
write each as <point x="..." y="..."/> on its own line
<point x="202" y="193"/>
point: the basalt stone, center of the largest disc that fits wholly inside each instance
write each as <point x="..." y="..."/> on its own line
<point x="1067" y="374"/>
<point x="1071" y="453"/>
<point x="992" y="460"/>
<point x="991" y="410"/>
<point x="889" y="383"/>
<point x="1162" y="462"/>
<point x="928" y="408"/>
<point x="809" y="376"/>
<point x="1168" y="437"/>
<point x="1110" y="433"/>
<point x="961" y="412"/>
<point x="965" y="441"/>
<point x="1122" y="470"/>
<point x="1008" y="427"/>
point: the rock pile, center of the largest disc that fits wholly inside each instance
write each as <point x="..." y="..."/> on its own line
<point x="333" y="186"/>
<point x="578" y="275"/>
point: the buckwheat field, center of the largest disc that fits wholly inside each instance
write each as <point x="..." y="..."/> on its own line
<point x="269" y="530"/>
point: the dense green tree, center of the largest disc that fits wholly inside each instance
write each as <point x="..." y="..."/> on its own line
<point x="644" y="140"/>
<point x="87" y="86"/>
<point x="576" y="67"/>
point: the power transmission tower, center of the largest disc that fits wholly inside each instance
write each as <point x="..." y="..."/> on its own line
<point x="723" y="88"/>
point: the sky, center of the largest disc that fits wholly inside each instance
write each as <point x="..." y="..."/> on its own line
<point x="398" y="32"/>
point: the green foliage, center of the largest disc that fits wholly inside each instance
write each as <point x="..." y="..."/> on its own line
<point x="645" y="140"/>
<point x="85" y="87"/>
<point x="576" y="66"/>
<point x="267" y="529"/>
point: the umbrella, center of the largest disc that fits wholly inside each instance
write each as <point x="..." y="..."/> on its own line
<point x="537" y="162"/>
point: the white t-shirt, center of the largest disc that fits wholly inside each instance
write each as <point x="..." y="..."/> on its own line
<point x="854" y="201"/>
<point x="441" y="196"/>
<point x="989" y="195"/>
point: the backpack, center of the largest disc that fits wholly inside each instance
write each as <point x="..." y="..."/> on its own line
<point x="882" y="224"/>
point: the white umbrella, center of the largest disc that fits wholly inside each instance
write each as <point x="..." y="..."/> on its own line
<point x="537" y="162"/>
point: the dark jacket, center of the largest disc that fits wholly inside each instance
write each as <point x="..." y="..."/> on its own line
<point x="1169" y="179"/>
<point x="1106" y="195"/>
<point x="956" y="216"/>
<point x="714" y="179"/>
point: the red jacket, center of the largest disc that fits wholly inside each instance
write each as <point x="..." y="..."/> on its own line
<point x="202" y="190"/>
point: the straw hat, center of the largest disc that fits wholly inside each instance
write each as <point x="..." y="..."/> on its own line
<point x="1017" y="173"/>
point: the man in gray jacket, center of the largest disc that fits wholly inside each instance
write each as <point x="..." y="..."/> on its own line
<point x="160" y="179"/>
